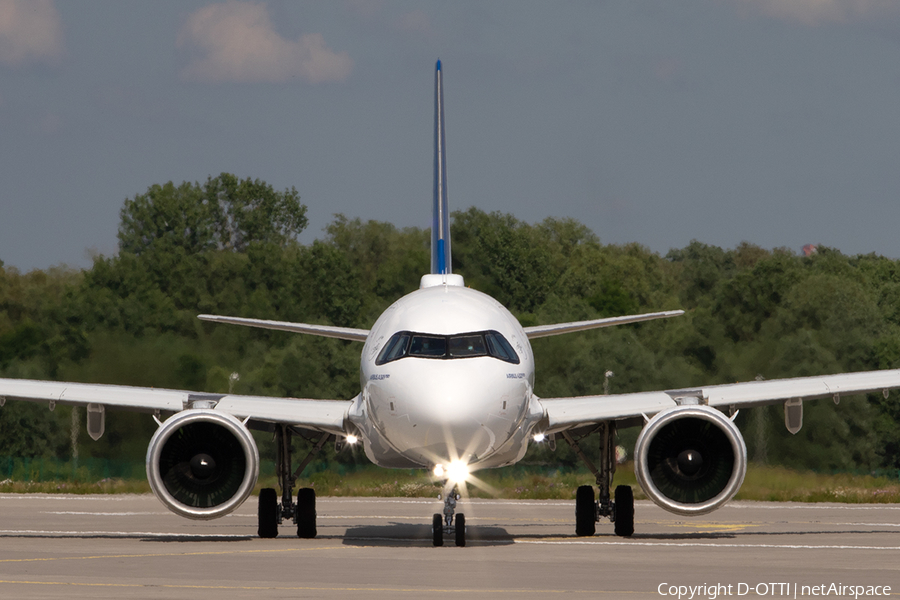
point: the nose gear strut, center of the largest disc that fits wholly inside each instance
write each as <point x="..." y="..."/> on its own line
<point x="445" y="524"/>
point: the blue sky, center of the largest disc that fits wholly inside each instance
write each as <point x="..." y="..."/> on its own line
<point x="650" y="121"/>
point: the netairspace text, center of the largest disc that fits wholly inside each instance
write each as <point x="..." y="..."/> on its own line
<point x="780" y="589"/>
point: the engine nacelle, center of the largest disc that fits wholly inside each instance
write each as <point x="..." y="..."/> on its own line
<point x="690" y="460"/>
<point x="202" y="463"/>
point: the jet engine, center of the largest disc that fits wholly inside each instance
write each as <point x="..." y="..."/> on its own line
<point x="690" y="460"/>
<point x="202" y="463"/>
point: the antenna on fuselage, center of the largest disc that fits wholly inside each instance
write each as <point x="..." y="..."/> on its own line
<point x="440" y="226"/>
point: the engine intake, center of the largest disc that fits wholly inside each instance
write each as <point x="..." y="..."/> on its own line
<point x="690" y="460"/>
<point x="202" y="464"/>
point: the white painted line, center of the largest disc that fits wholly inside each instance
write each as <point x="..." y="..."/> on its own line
<point x="710" y="545"/>
<point x="232" y="515"/>
<point x="331" y="500"/>
<point x="866" y="524"/>
<point x="154" y="534"/>
<point x="225" y="536"/>
<point x="101" y="514"/>
<point x="810" y="506"/>
<point x="472" y="501"/>
<point x="76" y="497"/>
<point x="423" y="518"/>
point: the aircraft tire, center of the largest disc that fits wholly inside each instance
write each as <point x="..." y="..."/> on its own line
<point x="437" y="529"/>
<point x="306" y="513"/>
<point x="460" y="530"/>
<point x="624" y="498"/>
<point x="585" y="511"/>
<point x="268" y="513"/>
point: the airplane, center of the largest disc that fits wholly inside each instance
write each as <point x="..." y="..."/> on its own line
<point x="447" y="385"/>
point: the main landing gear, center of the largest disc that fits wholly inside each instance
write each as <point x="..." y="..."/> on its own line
<point x="303" y="514"/>
<point x="620" y="508"/>
<point x="445" y="524"/>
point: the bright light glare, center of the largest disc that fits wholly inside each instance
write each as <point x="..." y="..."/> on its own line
<point x="458" y="471"/>
<point x="539" y="437"/>
<point x="352" y="439"/>
<point x="438" y="470"/>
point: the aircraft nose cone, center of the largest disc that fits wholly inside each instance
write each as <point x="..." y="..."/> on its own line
<point x="442" y="410"/>
<point x="457" y="421"/>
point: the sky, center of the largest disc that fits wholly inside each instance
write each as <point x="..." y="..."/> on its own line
<point x="650" y="121"/>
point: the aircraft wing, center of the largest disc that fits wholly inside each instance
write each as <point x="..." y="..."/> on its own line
<point x="322" y="415"/>
<point x="567" y="413"/>
<point x="539" y="331"/>
<point x="360" y="335"/>
<point x="341" y="333"/>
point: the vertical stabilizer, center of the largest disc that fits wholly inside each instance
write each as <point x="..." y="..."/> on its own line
<point x="440" y="227"/>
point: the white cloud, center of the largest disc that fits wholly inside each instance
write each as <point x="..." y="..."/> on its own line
<point x="237" y="42"/>
<point x="815" y="12"/>
<point x="30" y="31"/>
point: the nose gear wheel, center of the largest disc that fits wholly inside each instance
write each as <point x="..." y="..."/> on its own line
<point x="450" y="523"/>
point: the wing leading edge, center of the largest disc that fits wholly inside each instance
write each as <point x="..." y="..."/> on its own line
<point x="341" y="333"/>
<point x="539" y="331"/>
<point x="322" y="415"/>
<point x="566" y="413"/>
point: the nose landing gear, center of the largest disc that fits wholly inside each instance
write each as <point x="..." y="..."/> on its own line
<point x="445" y="524"/>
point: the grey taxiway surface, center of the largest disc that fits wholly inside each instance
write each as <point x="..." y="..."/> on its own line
<point x="131" y="547"/>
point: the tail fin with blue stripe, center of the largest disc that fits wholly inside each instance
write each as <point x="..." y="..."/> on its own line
<point x="440" y="227"/>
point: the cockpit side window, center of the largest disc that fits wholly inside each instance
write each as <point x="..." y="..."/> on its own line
<point x="500" y="348"/>
<point x="394" y="349"/>
<point x="464" y="345"/>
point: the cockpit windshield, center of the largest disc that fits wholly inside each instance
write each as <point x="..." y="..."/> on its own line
<point x="428" y="345"/>
<point x="465" y="345"/>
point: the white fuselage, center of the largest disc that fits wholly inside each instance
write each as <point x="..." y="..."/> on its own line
<point x="421" y="412"/>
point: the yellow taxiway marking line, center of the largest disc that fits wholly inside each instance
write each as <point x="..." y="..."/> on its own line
<point x="703" y="545"/>
<point x="704" y="527"/>
<point x="162" y="554"/>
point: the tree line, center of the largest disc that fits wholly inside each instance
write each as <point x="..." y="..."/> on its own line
<point x="229" y="246"/>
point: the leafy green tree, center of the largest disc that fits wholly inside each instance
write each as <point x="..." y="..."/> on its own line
<point x="228" y="246"/>
<point x="225" y="213"/>
<point x="502" y="256"/>
<point x="31" y="431"/>
<point x="387" y="261"/>
<point x="336" y="285"/>
<point x="701" y="269"/>
<point x="752" y="295"/>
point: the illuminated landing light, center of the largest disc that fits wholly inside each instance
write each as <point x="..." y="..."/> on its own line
<point x="352" y="439"/>
<point x="539" y="437"/>
<point x="458" y="471"/>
